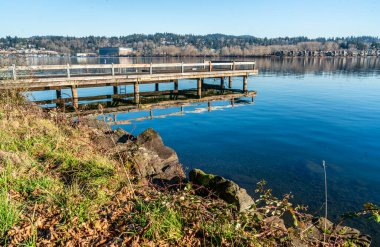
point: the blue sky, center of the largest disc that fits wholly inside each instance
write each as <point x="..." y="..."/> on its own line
<point x="263" y="18"/>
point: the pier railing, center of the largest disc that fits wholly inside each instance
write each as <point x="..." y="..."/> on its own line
<point x="81" y="70"/>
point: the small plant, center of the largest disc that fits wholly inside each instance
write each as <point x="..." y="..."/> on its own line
<point x="370" y="211"/>
<point x="161" y="222"/>
<point x="9" y="213"/>
<point x="74" y="207"/>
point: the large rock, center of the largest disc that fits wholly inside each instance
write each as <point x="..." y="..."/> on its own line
<point x="151" y="158"/>
<point x="315" y="228"/>
<point x="223" y="188"/>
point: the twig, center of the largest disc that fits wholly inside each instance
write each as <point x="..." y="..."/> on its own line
<point x="325" y="224"/>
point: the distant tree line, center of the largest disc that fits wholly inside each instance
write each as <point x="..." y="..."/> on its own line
<point x="168" y="44"/>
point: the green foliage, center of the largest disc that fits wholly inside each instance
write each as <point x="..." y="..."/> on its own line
<point x="369" y="211"/>
<point x="9" y="212"/>
<point x="75" y="208"/>
<point x="89" y="174"/>
<point x="28" y="186"/>
<point x="268" y="205"/>
<point x="373" y="211"/>
<point x="224" y="228"/>
<point x="162" y="222"/>
<point x="45" y="163"/>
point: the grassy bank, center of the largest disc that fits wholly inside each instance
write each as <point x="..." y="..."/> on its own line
<point x="58" y="187"/>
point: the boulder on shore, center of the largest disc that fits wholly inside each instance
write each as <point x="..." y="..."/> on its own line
<point x="225" y="189"/>
<point x="150" y="158"/>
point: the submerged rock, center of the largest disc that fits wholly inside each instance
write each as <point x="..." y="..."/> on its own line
<point x="223" y="188"/>
<point x="313" y="231"/>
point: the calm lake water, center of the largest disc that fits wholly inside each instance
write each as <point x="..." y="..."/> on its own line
<point x="306" y="111"/>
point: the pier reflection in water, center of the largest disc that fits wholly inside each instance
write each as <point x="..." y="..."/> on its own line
<point x="175" y="109"/>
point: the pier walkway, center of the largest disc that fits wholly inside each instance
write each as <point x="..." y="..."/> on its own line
<point x="57" y="77"/>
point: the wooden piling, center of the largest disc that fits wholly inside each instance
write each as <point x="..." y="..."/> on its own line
<point x="14" y="72"/>
<point x="74" y="93"/>
<point x="115" y="90"/>
<point x="157" y="87"/>
<point x="199" y="87"/>
<point x="136" y="92"/>
<point x="222" y="85"/>
<point x="176" y="86"/>
<point x="230" y="81"/>
<point x="68" y="70"/>
<point x="245" y="83"/>
<point x="58" y="93"/>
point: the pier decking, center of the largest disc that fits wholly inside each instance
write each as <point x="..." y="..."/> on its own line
<point x="57" y="77"/>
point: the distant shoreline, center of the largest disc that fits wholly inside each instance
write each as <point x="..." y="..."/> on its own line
<point x="198" y="56"/>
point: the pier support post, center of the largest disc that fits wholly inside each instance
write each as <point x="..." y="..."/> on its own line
<point x="199" y="87"/>
<point x="221" y="85"/>
<point x="59" y="98"/>
<point x="157" y="87"/>
<point x="68" y="70"/>
<point x="175" y="86"/>
<point x="209" y="106"/>
<point x="58" y="92"/>
<point x="136" y="92"/>
<point x="232" y="102"/>
<point x="74" y="93"/>
<point x="115" y="90"/>
<point x="230" y="82"/>
<point x="245" y="84"/>
<point x="14" y="71"/>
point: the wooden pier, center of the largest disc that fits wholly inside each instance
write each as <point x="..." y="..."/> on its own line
<point x="57" y="77"/>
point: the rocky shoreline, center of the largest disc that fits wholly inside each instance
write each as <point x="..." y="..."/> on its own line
<point x="77" y="182"/>
<point x="157" y="164"/>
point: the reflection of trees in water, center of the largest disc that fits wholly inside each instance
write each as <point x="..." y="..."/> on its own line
<point x="339" y="65"/>
<point x="289" y="65"/>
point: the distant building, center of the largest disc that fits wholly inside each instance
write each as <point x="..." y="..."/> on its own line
<point x="115" y="51"/>
<point x="86" y="54"/>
